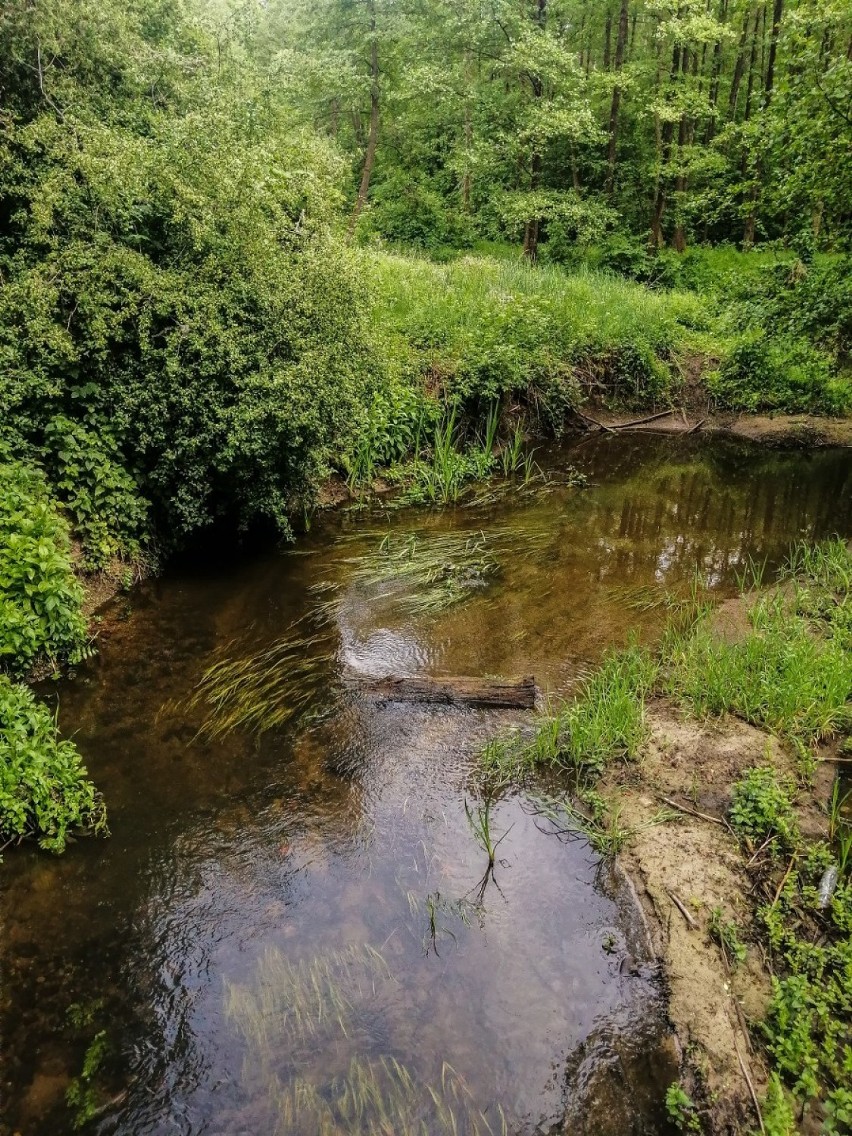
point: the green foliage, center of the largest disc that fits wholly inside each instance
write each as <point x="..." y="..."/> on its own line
<point x="808" y="1025"/>
<point x="109" y="515"/>
<point x="83" y="1095"/>
<point x="726" y="933"/>
<point x="201" y="343"/>
<point x="762" y="809"/>
<point x="765" y="371"/>
<point x="681" y="1109"/>
<point x="489" y="329"/>
<point x="40" y="598"/>
<point x="779" y="1118"/>
<point x="605" y="722"/>
<point x="44" y="790"/>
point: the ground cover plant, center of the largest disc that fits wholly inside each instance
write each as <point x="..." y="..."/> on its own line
<point x="45" y="792"/>
<point x="40" y="596"/>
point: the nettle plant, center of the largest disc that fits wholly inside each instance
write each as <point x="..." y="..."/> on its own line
<point x="40" y="597"/>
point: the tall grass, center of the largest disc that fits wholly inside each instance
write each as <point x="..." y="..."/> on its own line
<point x="606" y="721"/>
<point x="484" y="328"/>
<point x="792" y="672"/>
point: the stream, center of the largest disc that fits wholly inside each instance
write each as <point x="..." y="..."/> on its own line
<point x="291" y="928"/>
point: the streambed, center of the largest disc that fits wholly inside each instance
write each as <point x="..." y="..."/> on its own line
<point x="291" y="928"/>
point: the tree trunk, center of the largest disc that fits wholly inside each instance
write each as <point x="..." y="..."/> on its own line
<point x="607" y="56"/>
<point x="739" y="69"/>
<point x="620" y="44"/>
<point x="373" y="136"/>
<point x="531" y="228"/>
<point x="750" y="226"/>
<point x="777" y="12"/>
<point x="656" y="240"/>
<point x="715" y="71"/>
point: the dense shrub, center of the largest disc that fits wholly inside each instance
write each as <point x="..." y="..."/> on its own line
<point x="40" y="597"/>
<point x="44" y="788"/>
<point x="764" y="372"/>
<point x="176" y="307"/>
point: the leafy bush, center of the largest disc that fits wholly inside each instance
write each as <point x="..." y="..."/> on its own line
<point x="485" y="329"/>
<point x="207" y="333"/>
<point x="764" y="372"/>
<point x="44" y="789"/>
<point x="110" y="517"/>
<point x="40" y="598"/>
<point x="762" y="808"/>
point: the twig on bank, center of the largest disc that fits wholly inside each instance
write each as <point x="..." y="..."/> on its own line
<point x="681" y="906"/>
<point x="743" y="1023"/>
<point x="692" y="812"/>
<point x="750" y="1084"/>
<point x="765" y="844"/>
<point x="594" y="421"/>
<point x="785" y="878"/>
<point x="694" y="429"/>
<point x="642" y="421"/>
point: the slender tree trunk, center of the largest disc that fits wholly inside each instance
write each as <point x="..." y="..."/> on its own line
<point x="739" y="69"/>
<point x="607" y="55"/>
<point x="681" y="179"/>
<point x="620" y="44"/>
<point x="666" y="136"/>
<point x="531" y="228"/>
<point x="750" y="226"/>
<point x="468" y="137"/>
<point x="777" y="13"/>
<point x="373" y="136"/>
<point x="715" y="71"/>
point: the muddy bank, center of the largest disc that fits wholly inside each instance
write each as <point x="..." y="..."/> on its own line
<point x="796" y="431"/>
<point x="692" y="874"/>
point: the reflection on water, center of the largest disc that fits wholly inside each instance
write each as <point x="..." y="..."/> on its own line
<point x="285" y="931"/>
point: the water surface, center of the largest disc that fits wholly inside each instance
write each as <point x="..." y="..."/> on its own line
<point x="292" y="930"/>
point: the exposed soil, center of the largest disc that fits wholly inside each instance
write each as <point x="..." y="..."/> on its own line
<point x="683" y="855"/>
<point x="801" y="431"/>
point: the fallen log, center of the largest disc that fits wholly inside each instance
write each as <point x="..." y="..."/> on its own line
<point x="517" y="693"/>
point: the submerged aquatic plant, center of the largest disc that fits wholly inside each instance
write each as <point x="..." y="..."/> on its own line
<point x="431" y="573"/>
<point x="291" y="1002"/>
<point x="262" y="690"/>
<point x="381" y="1097"/>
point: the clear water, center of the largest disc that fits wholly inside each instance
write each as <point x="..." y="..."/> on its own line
<point x="288" y="930"/>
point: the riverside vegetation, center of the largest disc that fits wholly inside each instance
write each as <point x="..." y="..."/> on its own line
<point x="235" y="259"/>
<point x="789" y="673"/>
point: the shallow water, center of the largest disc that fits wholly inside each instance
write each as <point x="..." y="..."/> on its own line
<point x="288" y="930"/>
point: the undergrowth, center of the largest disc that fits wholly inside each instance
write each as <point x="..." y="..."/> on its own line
<point x="40" y="597"/>
<point x="45" y="792"/>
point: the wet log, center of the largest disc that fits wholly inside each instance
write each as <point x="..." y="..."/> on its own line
<point x="494" y="693"/>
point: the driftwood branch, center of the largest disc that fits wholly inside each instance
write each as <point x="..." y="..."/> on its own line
<point x="692" y="812"/>
<point x="681" y="906"/>
<point x="518" y="693"/>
